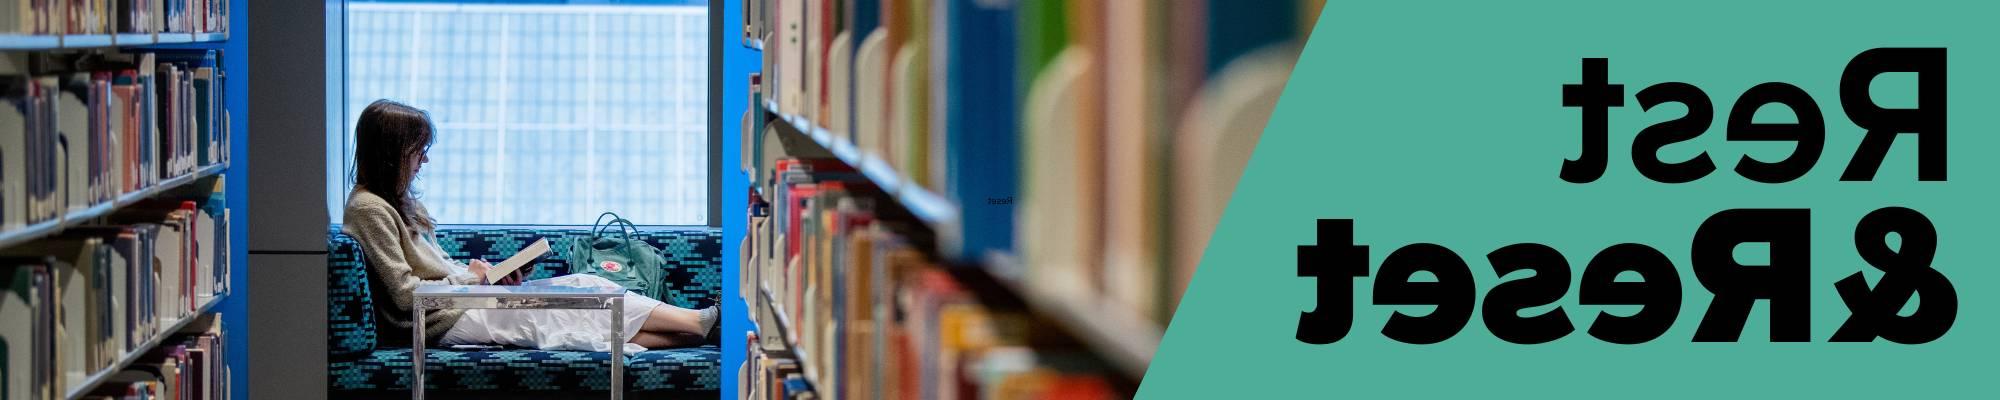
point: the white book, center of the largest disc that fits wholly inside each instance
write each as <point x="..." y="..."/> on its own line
<point x="170" y="385"/>
<point x="527" y="255"/>
<point x="159" y="15"/>
<point x="73" y="123"/>
<point x="170" y="103"/>
<point x="121" y="282"/>
<point x="769" y="87"/>
<point x="1214" y="142"/>
<point x="18" y="308"/>
<point x="746" y="135"/>
<point x="774" y="149"/>
<point x="773" y="252"/>
<point x="749" y="8"/>
<point x="13" y="166"/>
<point x="791" y="55"/>
<point x="838" y="115"/>
<point x="906" y="73"/>
<point x="815" y="62"/>
<point x="10" y="22"/>
<point x="746" y="286"/>
<point x="1057" y="226"/>
<point x="205" y="237"/>
<point x="870" y="93"/>
<point x="190" y="260"/>
<point x="222" y="256"/>
<point x="74" y="315"/>
<point x="167" y="262"/>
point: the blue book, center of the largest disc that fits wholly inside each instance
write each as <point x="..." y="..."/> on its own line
<point x="981" y="121"/>
<point x="863" y="17"/>
<point x="797" y="388"/>
<point x="1237" y="28"/>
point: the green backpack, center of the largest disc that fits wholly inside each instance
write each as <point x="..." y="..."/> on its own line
<point x="631" y="263"/>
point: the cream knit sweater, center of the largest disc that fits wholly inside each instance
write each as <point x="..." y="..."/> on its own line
<point x="400" y="258"/>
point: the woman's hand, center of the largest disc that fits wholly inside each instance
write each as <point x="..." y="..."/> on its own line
<point x="479" y="268"/>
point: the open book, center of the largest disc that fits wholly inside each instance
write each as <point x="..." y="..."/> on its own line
<point x="527" y="255"/>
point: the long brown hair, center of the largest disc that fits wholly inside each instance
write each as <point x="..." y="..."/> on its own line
<point x="388" y="139"/>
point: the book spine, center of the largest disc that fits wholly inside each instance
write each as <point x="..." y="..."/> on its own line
<point x="980" y="100"/>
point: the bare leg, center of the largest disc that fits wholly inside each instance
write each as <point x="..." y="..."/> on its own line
<point x="668" y="319"/>
<point x="653" y="340"/>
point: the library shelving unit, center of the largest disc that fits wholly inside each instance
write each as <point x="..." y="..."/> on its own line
<point x="1127" y="341"/>
<point x="19" y="237"/>
<point x="98" y="378"/>
<point x="999" y="197"/>
<point x="116" y="218"/>
<point x="787" y="335"/>
<point x="1118" y="337"/>
<point x="13" y="237"/>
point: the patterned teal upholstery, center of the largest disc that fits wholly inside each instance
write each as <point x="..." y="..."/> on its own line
<point x="357" y="365"/>
<point x="676" y="370"/>
<point x="350" y="313"/>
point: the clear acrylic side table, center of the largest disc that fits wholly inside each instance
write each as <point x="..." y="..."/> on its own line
<point x="519" y="297"/>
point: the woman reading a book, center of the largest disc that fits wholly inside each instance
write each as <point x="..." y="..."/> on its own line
<point x="397" y="236"/>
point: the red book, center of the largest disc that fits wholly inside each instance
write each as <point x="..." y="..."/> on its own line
<point x="798" y="196"/>
<point x="127" y="91"/>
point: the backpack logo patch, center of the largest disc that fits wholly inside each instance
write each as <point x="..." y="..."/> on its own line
<point x="611" y="266"/>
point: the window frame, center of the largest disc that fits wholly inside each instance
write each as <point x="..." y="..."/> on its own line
<point x="337" y="111"/>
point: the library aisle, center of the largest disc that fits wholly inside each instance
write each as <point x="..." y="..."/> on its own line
<point x="117" y="201"/>
<point x="885" y="199"/>
<point x="975" y="199"/>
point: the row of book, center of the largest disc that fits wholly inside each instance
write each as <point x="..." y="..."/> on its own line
<point x="78" y="303"/>
<point x="1095" y="141"/>
<point x="873" y="316"/>
<point x="772" y="373"/>
<point x="81" y="17"/>
<point x="80" y="130"/>
<point x="192" y="368"/>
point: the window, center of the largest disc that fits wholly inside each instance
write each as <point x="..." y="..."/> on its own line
<point x="547" y="112"/>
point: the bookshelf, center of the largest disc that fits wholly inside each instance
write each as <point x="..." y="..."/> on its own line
<point x="116" y="129"/>
<point x="38" y="230"/>
<point x="19" y="42"/>
<point x="953" y="176"/>
<point x="940" y="214"/>
<point x="125" y="360"/>
<point x="787" y="335"/>
<point x="1126" y="340"/>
